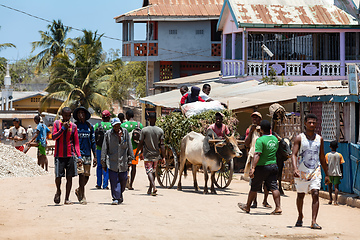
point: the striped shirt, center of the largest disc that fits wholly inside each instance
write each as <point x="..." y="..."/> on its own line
<point x="67" y="140"/>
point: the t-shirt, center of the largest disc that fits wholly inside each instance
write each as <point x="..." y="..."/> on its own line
<point x="106" y="126"/>
<point x="17" y="132"/>
<point x="29" y="132"/>
<point x="219" y="131"/>
<point x="152" y="136"/>
<point x="334" y="159"/>
<point x="86" y="138"/>
<point x="130" y="126"/>
<point x="66" y="140"/>
<point x="267" y="145"/>
<point x="43" y="131"/>
<point x="204" y="96"/>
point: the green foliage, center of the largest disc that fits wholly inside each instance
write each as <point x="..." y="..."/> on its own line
<point x="272" y="79"/>
<point x="176" y="125"/>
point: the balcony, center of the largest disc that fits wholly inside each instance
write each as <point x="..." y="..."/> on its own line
<point x="139" y="48"/>
<point x="285" y="68"/>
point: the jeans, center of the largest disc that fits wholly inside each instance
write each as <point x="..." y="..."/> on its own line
<point x="118" y="184"/>
<point x="100" y="172"/>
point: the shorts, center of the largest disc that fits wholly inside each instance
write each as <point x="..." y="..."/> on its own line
<point x="303" y="186"/>
<point x="67" y="164"/>
<point x="20" y="148"/>
<point x="267" y="174"/>
<point x="85" y="167"/>
<point x="41" y="150"/>
<point x="136" y="161"/>
<point x="150" y="166"/>
<point x="335" y="179"/>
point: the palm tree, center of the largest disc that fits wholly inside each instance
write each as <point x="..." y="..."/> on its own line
<point x="53" y="42"/>
<point x="2" y="47"/>
<point x="82" y="81"/>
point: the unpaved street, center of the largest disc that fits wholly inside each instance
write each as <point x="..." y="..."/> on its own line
<point x="28" y="212"/>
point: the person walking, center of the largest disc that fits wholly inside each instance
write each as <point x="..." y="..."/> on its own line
<point x="151" y="141"/>
<point x="121" y="117"/>
<point x="67" y="153"/>
<point x="29" y="133"/>
<point x="335" y="168"/>
<point x="39" y="141"/>
<point x="100" y="129"/>
<point x="264" y="168"/>
<point x="87" y="143"/>
<point x="307" y="157"/>
<point x="132" y="125"/>
<point x="18" y="135"/>
<point x="115" y="153"/>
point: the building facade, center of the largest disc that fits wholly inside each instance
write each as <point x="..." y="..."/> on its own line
<point x="181" y="37"/>
<point x="310" y="40"/>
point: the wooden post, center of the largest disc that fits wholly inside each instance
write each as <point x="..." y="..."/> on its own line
<point x="158" y="111"/>
<point x="352" y="122"/>
<point x="342" y="53"/>
<point x="233" y="50"/>
<point x="143" y="107"/>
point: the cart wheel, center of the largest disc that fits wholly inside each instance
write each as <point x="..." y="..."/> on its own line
<point x="166" y="174"/>
<point x="223" y="177"/>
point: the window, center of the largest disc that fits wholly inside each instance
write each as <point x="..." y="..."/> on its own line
<point x="215" y="35"/>
<point x="352" y="46"/>
<point x="228" y="46"/>
<point x="172" y="31"/>
<point x="199" y="32"/>
<point x="35" y="99"/>
<point x="238" y="46"/>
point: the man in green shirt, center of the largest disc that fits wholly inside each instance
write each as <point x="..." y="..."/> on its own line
<point x="106" y="125"/>
<point x="264" y="168"/>
<point x="130" y="125"/>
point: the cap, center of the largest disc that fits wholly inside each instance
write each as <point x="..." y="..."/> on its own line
<point x="105" y="113"/>
<point x="16" y="120"/>
<point x="115" y="121"/>
<point x="257" y="114"/>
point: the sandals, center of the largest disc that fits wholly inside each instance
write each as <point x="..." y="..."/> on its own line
<point x="243" y="207"/>
<point x="57" y="197"/>
<point x="299" y="223"/>
<point x="154" y="193"/>
<point x="68" y="202"/>
<point x="316" y="226"/>
<point x="267" y="205"/>
<point x="254" y="205"/>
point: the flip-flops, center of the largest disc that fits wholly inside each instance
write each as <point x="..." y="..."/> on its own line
<point x="57" y="198"/>
<point x="154" y="193"/>
<point x="267" y="205"/>
<point x="68" y="202"/>
<point x="243" y="207"/>
<point x="316" y="226"/>
<point x="254" y="205"/>
<point x="276" y="212"/>
<point x="299" y="223"/>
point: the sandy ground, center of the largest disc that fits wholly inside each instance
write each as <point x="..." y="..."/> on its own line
<point x="28" y="212"/>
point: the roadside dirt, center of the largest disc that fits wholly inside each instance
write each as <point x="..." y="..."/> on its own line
<point x="28" y="212"/>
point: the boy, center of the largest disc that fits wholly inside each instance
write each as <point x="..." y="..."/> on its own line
<point x="335" y="169"/>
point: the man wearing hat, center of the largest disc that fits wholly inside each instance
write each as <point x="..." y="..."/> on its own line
<point x="218" y="127"/>
<point x="87" y="143"/>
<point x="116" y="152"/>
<point x="251" y="135"/>
<point x="17" y="134"/>
<point x="106" y="125"/>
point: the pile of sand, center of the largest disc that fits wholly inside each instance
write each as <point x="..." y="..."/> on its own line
<point x="14" y="163"/>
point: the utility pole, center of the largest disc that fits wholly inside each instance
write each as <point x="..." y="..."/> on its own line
<point x="147" y="54"/>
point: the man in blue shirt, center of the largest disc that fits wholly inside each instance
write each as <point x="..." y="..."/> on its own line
<point x="40" y="136"/>
<point x="87" y="143"/>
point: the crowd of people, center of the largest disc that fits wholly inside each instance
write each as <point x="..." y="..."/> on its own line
<point x="115" y="145"/>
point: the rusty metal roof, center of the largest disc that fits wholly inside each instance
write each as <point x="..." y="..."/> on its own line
<point x="176" y="8"/>
<point x="280" y="12"/>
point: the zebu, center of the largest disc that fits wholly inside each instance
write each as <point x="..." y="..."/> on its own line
<point x="192" y="150"/>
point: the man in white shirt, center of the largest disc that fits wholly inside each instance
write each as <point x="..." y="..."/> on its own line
<point x="18" y="135"/>
<point x="204" y="94"/>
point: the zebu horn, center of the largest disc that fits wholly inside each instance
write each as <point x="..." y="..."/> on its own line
<point x="277" y="136"/>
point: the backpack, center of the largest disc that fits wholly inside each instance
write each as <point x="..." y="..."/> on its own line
<point x="99" y="135"/>
<point x="135" y="135"/>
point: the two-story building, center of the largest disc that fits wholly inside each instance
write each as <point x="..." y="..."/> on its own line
<point x="310" y="39"/>
<point x="181" y="40"/>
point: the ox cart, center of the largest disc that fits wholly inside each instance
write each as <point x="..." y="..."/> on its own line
<point x="167" y="172"/>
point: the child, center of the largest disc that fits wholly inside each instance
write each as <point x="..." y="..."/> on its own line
<point x="334" y="161"/>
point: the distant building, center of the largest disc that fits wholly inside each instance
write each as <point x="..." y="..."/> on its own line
<point x="311" y="40"/>
<point x="182" y="36"/>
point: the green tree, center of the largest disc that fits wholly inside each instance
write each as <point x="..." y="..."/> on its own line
<point x="53" y="42"/>
<point x="81" y="81"/>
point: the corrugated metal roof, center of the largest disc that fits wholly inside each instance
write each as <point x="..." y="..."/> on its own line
<point x="178" y="8"/>
<point x="279" y="12"/>
<point x="239" y="96"/>
<point x="194" y="79"/>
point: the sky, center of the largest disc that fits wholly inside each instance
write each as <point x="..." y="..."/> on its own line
<point x="20" y="29"/>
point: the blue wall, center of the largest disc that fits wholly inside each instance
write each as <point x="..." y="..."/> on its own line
<point x="349" y="167"/>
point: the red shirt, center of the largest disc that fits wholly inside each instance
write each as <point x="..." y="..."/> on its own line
<point x="183" y="99"/>
<point x="67" y="140"/>
<point x="220" y="131"/>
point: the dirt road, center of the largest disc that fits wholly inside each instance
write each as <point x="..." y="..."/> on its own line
<point x="28" y="212"/>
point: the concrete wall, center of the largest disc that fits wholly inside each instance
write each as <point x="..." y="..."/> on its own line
<point x="186" y="41"/>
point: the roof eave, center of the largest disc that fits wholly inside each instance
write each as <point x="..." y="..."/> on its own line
<point x="261" y="25"/>
<point x="164" y="18"/>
